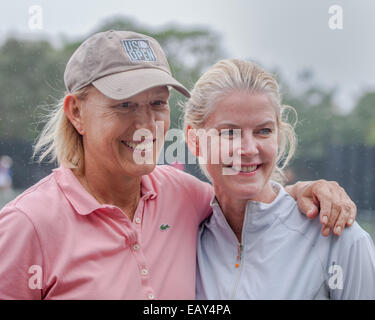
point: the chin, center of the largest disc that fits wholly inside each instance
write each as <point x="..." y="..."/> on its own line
<point x="143" y="169"/>
<point x="133" y="170"/>
<point x="248" y="193"/>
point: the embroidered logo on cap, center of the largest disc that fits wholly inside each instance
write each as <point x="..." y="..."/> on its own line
<point x="139" y="50"/>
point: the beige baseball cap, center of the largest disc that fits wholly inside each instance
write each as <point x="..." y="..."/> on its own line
<point x="120" y="64"/>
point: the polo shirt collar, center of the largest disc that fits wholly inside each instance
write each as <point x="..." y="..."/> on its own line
<point x="82" y="201"/>
<point x="148" y="187"/>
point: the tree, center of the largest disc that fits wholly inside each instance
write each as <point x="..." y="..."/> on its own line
<point x="30" y="72"/>
<point x="317" y="118"/>
<point x="363" y="119"/>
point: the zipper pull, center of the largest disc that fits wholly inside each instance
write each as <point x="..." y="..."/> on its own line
<point x="239" y="253"/>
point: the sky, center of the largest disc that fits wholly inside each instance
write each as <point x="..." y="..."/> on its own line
<point x="290" y="35"/>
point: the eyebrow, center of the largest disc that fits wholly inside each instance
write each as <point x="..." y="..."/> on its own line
<point x="227" y="124"/>
<point x="233" y="124"/>
<point x="269" y="122"/>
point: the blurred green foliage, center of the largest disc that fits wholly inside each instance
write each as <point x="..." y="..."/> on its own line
<point x="31" y="74"/>
<point x="322" y="124"/>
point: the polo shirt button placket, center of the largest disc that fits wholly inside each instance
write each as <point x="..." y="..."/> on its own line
<point x="151" y="296"/>
<point x="138" y="220"/>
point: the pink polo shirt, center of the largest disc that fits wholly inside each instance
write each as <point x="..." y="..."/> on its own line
<point x="58" y="242"/>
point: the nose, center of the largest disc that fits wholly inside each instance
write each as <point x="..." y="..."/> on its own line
<point x="144" y="123"/>
<point x="249" y="145"/>
<point x="145" y="118"/>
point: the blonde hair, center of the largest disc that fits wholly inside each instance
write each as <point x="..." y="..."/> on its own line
<point x="229" y="75"/>
<point x="59" y="141"/>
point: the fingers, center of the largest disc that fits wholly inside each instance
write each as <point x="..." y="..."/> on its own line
<point x="307" y="206"/>
<point x="312" y="212"/>
<point x="352" y="215"/>
<point x="333" y="214"/>
<point x="325" y="231"/>
<point x="327" y="215"/>
<point x="352" y="208"/>
<point x="341" y="220"/>
<point x="348" y="212"/>
<point x="337" y="210"/>
<point x="325" y="198"/>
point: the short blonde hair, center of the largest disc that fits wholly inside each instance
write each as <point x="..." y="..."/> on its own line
<point x="229" y="75"/>
<point x="59" y="141"/>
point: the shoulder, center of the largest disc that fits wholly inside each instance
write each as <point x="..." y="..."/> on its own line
<point x="310" y="230"/>
<point x="12" y="218"/>
<point x="294" y="222"/>
<point x="31" y="195"/>
<point x="352" y="236"/>
<point x="180" y="186"/>
<point x="173" y="178"/>
<point x="20" y="249"/>
<point x="36" y="203"/>
<point x="18" y="231"/>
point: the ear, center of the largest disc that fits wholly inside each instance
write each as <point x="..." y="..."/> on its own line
<point x="192" y="141"/>
<point x="73" y="111"/>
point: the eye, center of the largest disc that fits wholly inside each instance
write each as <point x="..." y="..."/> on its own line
<point x="159" y="103"/>
<point x="230" y="133"/>
<point x="227" y="132"/>
<point x="126" y="105"/>
<point x="265" y="131"/>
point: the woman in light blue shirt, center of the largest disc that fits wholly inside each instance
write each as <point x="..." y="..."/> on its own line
<point x="257" y="245"/>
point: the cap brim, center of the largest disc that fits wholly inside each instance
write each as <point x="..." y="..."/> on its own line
<point x="123" y="85"/>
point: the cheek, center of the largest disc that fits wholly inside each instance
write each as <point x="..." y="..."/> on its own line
<point x="165" y="117"/>
<point x="93" y="128"/>
<point x="215" y="172"/>
<point x="271" y="150"/>
<point x="162" y="123"/>
<point x="166" y="124"/>
<point x="106" y="131"/>
<point x="210" y="149"/>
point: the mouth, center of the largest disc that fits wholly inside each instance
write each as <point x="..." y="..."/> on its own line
<point x="252" y="168"/>
<point x="248" y="168"/>
<point x="139" y="146"/>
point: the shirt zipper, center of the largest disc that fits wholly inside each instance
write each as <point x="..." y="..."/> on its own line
<point x="240" y="248"/>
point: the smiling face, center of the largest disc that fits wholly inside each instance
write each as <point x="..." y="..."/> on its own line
<point x="253" y="115"/>
<point x="110" y="128"/>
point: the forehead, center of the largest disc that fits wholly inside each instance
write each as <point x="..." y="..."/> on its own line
<point x="241" y="108"/>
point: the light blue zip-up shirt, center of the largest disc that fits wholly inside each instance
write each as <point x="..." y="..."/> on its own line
<point x="282" y="255"/>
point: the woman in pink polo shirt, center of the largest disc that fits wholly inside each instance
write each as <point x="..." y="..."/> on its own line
<point x="103" y="225"/>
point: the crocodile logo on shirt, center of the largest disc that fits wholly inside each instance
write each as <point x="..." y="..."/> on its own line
<point x="164" y="227"/>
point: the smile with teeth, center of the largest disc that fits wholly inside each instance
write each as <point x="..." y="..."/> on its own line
<point x="245" y="168"/>
<point x="143" y="146"/>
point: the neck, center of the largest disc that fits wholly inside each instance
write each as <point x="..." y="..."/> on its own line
<point x="234" y="209"/>
<point x="234" y="212"/>
<point x="106" y="188"/>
